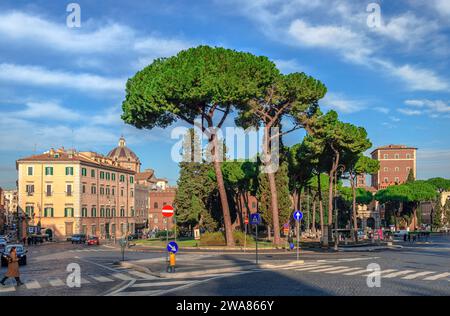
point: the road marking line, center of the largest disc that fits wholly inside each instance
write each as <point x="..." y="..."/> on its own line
<point x="356" y="272"/>
<point x="298" y="266"/>
<point x="137" y="293"/>
<point x="8" y="289"/>
<point x="150" y="284"/>
<point x="328" y="269"/>
<point x="312" y="268"/>
<point x="32" y="284"/>
<point x="437" y="277"/>
<point x="85" y="281"/>
<point x="101" y="278"/>
<point x="122" y="276"/>
<point x="142" y="275"/>
<point x="416" y="275"/>
<point x="55" y="282"/>
<point x="381" y="272"/>
<point x="396" y="274"/>
<point x="342" y="271"/>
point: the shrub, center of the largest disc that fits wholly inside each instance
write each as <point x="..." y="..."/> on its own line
<point x="218" y="239"/>
<point x="163" y="233"/>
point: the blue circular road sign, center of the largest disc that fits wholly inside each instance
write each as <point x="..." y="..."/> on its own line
<point x="298" y="215"/>
<point x="172" y="247"/>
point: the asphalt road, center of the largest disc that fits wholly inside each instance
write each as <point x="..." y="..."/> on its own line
<point x="416" y="269"/>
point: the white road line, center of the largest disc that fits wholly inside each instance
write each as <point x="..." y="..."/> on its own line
<point x="328" y="269"/>
<point x="122" y="276"/>
<point x="85" y="281"/>
<point x="136" y="293"/>
<point x="356" y="272"/>
<point x="101" y="278"/>
<point x="143" y="275"/>
<point x="150" y="284"/>
<point x="396" y="274"/>
<point x="437" y="277"/>
<point x="312" y="268"/>
<point x="7" y="289"/>
<point x="342" y="271"/>
<point x="382" y="272"/>
<point x="416" y="275"/>
<point x="55" y="282"/>
<point x="32" y="285"/>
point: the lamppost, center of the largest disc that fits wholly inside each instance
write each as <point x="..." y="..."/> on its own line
<point x="340" y="168"/>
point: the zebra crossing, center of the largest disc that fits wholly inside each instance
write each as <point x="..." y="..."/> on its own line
<point x="162" y="286"/>
<point x="119" y="275"/>
<point x="336" y="267"/>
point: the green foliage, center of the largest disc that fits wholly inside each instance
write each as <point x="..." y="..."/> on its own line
<point x="366" y="165"/>
<point x="284" y="199"/>
<point x="218" y="239"/>
<point x="438" y="214"/>
<point x="411" y="177"/>
<point x="363" y="196"/>
<point x="195" y="188"/>
<point x="440" y="184"/>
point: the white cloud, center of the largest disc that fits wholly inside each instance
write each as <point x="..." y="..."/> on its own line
<point x="341" y="103"/>
<point x="441" y="6"/>
<point x="47" y="110"/>
<point x="432" y="106"/>
<point x="350" y="37"/>
<point x="352" y="45"/>
<point x="409" y="112"/>
<point x="112" y="38"/>
<point x="39" y="76"/>
<point x="287" y="66"/>
<point x="416" y="79"/>
<point x="383" y="110"/>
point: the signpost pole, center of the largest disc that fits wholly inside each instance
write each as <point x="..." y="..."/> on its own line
<point x="245" y="236"/>
<point x="256" y="243"/>
<point x="298" y="235"/>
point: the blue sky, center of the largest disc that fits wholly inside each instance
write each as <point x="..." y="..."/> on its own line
<point x="63" y="86"/>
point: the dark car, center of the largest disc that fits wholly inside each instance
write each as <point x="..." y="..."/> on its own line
<point x="78" y="239"/>
<point x="20" y="251"/>
<point x="93" y="240"/>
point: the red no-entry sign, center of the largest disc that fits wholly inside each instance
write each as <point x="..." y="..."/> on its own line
<point x="167" y="211"/>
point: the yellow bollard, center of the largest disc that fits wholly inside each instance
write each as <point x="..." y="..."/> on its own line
<point x="172" y="261"/>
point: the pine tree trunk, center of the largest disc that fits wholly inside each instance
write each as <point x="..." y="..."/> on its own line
<point x="330" y="199"/>
<point x="222" y="193"/>
<point x="314" y="216"/>
<point x="355" y="221"/>
<point x="319" y="189"/>
<point x="273" y="189"/>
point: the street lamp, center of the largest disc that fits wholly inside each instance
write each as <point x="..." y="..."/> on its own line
<point x="340" y="168"/>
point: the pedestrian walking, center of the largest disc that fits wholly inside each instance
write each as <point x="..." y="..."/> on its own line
<point x="13" y="268"/>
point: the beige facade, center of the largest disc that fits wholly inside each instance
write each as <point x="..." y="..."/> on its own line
<point x="73" y="192"/>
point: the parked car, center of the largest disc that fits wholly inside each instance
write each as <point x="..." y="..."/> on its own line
<point x="401" y="233"/>
<point x="93" y="240"/>
<point x="21" y="254"/>
<point x="78" y="239"/>
<point x="3" y="243"/>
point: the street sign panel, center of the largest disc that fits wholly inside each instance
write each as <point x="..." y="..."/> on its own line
<point x="298" y="215"/>
<point x="172" y="247"/>
<point x="255" y="219"/>
<point x="167" y="211"/>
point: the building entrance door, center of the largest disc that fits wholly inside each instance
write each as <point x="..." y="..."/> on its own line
<point x="69" y="229"/>
<point x="107" y="231"/>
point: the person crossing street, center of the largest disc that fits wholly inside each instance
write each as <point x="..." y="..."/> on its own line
<point x="13" y="268"/>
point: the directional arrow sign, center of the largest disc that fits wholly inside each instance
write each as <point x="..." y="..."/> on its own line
<point x="298" y="216"/>
<point x="172" y="247"/>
